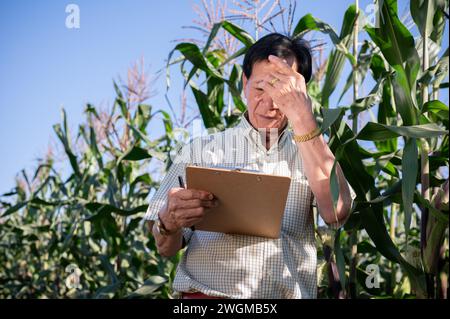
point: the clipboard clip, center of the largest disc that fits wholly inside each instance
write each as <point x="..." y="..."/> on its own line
<point x="236" y="169"/>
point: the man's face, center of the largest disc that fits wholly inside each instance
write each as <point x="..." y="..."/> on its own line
<point x="261" y="109"/>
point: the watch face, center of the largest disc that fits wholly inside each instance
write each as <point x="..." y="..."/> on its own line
<point x="161" y="228"/>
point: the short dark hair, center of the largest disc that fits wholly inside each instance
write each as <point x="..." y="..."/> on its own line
<point x="280" y="46"/>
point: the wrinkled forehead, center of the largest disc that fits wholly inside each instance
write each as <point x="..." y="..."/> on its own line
<point x="263" y="68"/>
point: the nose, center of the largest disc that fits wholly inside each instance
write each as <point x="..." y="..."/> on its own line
<point x="267" y="101"/>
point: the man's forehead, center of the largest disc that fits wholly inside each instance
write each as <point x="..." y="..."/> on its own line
<point x="262" y="68"/>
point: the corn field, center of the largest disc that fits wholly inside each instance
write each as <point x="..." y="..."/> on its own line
<point x="83" y="235"/>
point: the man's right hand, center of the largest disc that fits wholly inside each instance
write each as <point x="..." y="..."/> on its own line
<point x="185" y="208"/>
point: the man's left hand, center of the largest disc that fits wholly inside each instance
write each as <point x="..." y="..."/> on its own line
<point x="287" y="88"/>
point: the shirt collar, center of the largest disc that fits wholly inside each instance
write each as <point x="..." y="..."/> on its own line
<point x="255" y="135"/>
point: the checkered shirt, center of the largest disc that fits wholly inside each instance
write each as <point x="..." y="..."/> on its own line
<point x="239" y="266"/>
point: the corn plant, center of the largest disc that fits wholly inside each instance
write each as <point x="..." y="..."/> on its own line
<point x="395" y="163"/>
<point x="83" y="236"/>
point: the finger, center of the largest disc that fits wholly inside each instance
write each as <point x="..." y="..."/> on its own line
<point x="268" y="79"/>
<point x="195" y="194"/>
<point x="280" y="65"/>
<point x="281" y="76"/>
<point x="284" y="77"/>
<point x="296" y="79"/>
<point x="175" y="190"/>
<point x="268" y="88"/>
<point x="183" y="214"/>
<point x="272" y="87"/>
<point x="281" y="79"/>
<point x="210" y="203"/>
<point x="302" y="81"/>
<point x="191" y="222"/>
<point x="194" y="203"/>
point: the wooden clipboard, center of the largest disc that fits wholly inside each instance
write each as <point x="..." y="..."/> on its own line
<point x="250" y="203"/>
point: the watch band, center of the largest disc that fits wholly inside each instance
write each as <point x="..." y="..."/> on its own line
<point x="307" y="137"/>
<point x="162" y="228"/>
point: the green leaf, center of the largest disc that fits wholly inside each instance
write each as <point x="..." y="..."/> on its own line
<point x="340" y="260"/>
<point x="215" y="94"/>
<point x="149" y="287"/>
<point x="398" y="48"/>
<point x="235" y="55"/>
<point x="439" y="21"/>
<point x="143" y="117"/>
<point x="123" y="108"/>
<point x="378" y="132"/>
<point x="238" y="33"/>
<point x="11" y="193"/>
<point x="387" y="115"/>
<point x="69" y="235"/>
<point x="436" y="73"/>
<point x="394" y="39"/>
<point x="432" y="251"/>
<point x="216" y="27"/>
<point x="144" y="178"/>
<point x="373" y="223"/>
<point x="101" y="209"/>
<point x="364" y="103"/>
<point x="409" y="170"/>
<point x="438" y="108"/>
<point x="39" y="201"/>
<point x="334" y="184"/>
<point x="439" y="215"/>
<point x="343" y="144"/>
<point x="168" y="124"/>
<point x="363" y="63"/>
<point x="135" y="153"/>
<point x="91" y="141"/>
<point x="337" y="57"/>
<point x="107" y="291"/>
<point x="309" y="23"/>
<point x="235" y="87"/>
<point x="193" y="54"/>
<point x="378" y="67"/>
<point x="384" y="162"/>
<point x="118" y="91"/>
<point x="14" y="208"/>
<point x="210" y="118"/>
<point x="422" y="12"/>
<point x="330" y="116"/>
<point x="65" y="140"/>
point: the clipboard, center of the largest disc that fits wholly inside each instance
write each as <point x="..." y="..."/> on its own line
<point x="250" y="203"/>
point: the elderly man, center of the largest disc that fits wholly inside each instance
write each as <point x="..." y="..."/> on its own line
<point x="277" y="135"/>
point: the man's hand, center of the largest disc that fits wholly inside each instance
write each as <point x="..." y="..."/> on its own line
<point x="287" y="88"/>
<point x="185" y="208"/>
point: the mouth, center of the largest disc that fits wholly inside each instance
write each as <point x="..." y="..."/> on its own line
<point x="269" y="117"/>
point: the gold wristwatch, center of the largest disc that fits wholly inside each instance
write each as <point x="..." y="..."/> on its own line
<point x="162" y="228"/>
<point x="307" y="137"/>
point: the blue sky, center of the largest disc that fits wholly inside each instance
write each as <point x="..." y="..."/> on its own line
<point x="44" y="65"/>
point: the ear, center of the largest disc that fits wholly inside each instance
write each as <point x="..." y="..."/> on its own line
<point x="244" y="84"/>
<point x="244" y="79"/>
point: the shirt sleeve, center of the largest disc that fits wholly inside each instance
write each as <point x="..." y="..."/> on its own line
<point x="170" y="180"/>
